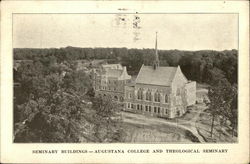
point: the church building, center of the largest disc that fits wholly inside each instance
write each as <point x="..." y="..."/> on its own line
<point x="160" y="91"/>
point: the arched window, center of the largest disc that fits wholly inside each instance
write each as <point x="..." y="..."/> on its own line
<point x="148" y="95"/>
<point x="115" y="97"/>
<point x="166" y="98"/>
<point x="121" y="98"/>
<point x="157" y="96"/>
<point x="140" y="94"/>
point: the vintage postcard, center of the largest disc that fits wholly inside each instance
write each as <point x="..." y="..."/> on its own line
<point x="125" y="82"/>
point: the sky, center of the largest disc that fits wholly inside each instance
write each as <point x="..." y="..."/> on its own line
<point x="175" y="31"/>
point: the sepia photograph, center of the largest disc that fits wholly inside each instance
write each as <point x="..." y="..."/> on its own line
<point x="125" y="77"/>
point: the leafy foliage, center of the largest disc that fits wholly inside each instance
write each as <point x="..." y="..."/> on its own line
<point x="196" y="65"/>
<point x="107" y="120"/>
<point x="223" y="103"/>
<point x="48" y="105"/>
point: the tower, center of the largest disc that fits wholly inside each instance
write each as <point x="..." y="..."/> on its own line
<point x="156" y="62"/>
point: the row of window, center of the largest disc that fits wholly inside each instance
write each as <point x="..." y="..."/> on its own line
<point x="109" y="82"/>
<point x="107" y="88"/>
<point x="147" y="108"/>
<point x="115" y="97"/>
<point x="114" y="82"/>
<point x="157" y="96"/>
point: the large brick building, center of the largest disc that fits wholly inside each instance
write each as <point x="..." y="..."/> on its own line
<point x="110" y="80"/>
<point x="160" y="91"/>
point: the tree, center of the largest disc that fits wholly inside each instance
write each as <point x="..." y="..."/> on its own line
<point x="107" y="120"/>
<point x="223" y="98"/>
<point x="55" y="120"/>
<point x="214" y="106"/>
<point x="77" y="82"/>
<point x="49" y="113"/>
<point x="52" y="109"/>
<point x="231" y="113"/>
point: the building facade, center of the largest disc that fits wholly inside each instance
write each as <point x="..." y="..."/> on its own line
<point x="157" y="91"/>
<point x="160" y="91"/>
<point x="110" y="80"/>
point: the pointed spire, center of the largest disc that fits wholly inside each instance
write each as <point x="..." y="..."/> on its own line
<point x="156" y="62"/>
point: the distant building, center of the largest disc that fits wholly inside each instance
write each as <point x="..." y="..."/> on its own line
<point x="160" y="91"/>
<point x="110" y="80"/>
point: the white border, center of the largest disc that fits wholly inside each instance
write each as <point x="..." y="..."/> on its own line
<point x="22" y="153"/>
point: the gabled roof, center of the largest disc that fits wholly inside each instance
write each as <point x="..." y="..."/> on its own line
<point x="113" y="73"/>
<point x="112" y="66"/>
<point x="160" y="76"/>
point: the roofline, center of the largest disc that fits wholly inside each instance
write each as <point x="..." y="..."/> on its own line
<point x="174" y="75"/>
<point x="111" y="64"/>
<point x="155" y="84"/>
<point x="178" y="67"/>
<point x="182" y="73"/>
<point x="161" y="66"/>
<point x="139" y="72"/>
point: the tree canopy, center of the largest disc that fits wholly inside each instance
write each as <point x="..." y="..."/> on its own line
<point x="48" y="105"/>
<point x="202" y="66"/>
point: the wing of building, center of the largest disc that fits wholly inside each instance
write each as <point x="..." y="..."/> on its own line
<point x="110" y="80"/>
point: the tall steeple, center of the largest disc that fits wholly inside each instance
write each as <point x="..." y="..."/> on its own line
<point x="156" y="62"/>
